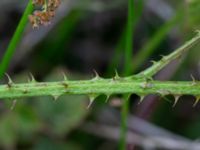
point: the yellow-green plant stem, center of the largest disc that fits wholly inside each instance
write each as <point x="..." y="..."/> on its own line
<point x="98" y="86"/>
<point x="15" y="39"/>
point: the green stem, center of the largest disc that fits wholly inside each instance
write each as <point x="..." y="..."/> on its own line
<point x="124" y="118"/>
<point x="122" y="41"/>
<point x="15" y="39"/>
<point x="129" y="38"/>
<point x="127" y="71"/>
<point x="157" y="66"/>
<point x="141" y="87"/>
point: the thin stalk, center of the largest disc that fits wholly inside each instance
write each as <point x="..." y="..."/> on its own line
<point x="129" y="38"/>
<point x="15" y="40"/>
<point x="124" y="118"/>
<point x="122" y="40"/>
<point x="127" y="71"/>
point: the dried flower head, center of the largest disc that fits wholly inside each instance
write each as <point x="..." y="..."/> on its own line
<point x="44" y="16"/>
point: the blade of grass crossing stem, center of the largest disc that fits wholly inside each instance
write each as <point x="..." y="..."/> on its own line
<point x="122" y="40"/>
<point x="124" y="116"/>
<point x="127" y="71"/>
<point x="129" y="38"/>
<point x="15" y="39"/>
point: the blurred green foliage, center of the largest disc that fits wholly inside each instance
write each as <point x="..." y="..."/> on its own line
<point x="31" y="118"/>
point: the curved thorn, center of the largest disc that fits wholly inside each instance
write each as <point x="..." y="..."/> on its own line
<point x="10" y="82"/>
<point x="141" y="98"/>
<point x="32" y="79"/>
<point x="116" y="74"/>
<point x="64" y="76"/>
<point x="92" y="98"/>
<point x="196" y="102"/>
<point x="193" y="80"/>
<point x="198" y="32"/>
<point x="107" y="98"/>
<point x="154" y="62"/>
<point x="176" y="99"/>
<point x="96" y="75"/>
<point x="90" y="104"/>
<point x="162" y="56"/>
<point x="55" y="97"/>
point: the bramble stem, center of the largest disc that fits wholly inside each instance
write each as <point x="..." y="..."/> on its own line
<point x="138" y="84"/>
<point x="100" y="86"/>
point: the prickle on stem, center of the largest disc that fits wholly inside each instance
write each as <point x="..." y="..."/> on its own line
<point x="64" y="76"/>
<point x="141" y="98"/>
<point x="31" y="79"/>
<point x="92" y="98"/>
<point x="196" y="101"/>
<point x="176" y="99"/>
<point x="10" y="82"/>
<point x="96" y="75"/>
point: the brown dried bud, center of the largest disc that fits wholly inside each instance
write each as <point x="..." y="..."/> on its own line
<point x="43" y="17"/>
<point x="53" y="4"/>
<point x="33" y="20"/>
